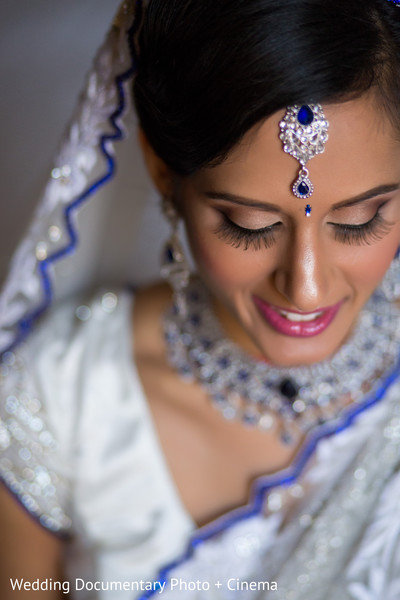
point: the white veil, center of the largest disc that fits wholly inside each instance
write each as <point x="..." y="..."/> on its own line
<point x="93" y="221"/>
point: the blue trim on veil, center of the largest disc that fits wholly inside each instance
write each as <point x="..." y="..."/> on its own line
<point x="25" y="325"/>
<point x="265" y="483"/>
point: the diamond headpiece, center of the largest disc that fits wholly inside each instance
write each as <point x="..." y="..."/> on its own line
<point x="304" y="132"/>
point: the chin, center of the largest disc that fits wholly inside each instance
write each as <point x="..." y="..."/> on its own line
<point x="285" y="351"/>
<point x="295" y="358"/>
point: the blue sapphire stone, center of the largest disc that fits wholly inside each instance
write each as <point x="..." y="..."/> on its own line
<point x="219" y="398"/>
<point x="169" y="254"/>
<point x="195" y="320"/>
<point x="308" y="210"/>
<point x="194" y="297"/>
<point x="170" y="337"/>
<point x="224" y="362"/>
<point x="288" y="389"/>
<point x="305" y="116"/>
<point x="250" y="419"/>
<point x="206" y="344"/>
<point x="303" y="189"/>
<point x="243" y="375"/>
<point x="353" y="364"/>
<point x="286" y="438"/>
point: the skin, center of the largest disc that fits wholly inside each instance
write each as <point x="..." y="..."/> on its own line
<point x="307" y="267"/>
<point x="304" y="269"/>
<point x="27" y="550"/>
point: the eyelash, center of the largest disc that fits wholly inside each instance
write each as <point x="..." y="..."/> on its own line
<point x="367" y="233"/>
<point x="240" y="237"/>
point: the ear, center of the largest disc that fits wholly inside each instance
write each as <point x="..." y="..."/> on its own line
<point x="159" y="172"/>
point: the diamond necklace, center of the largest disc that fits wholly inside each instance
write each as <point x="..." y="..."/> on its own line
<point x="291" y="400"/>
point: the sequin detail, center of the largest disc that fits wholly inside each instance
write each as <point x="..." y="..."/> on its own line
<point x="324" y="553"/>
<point x="28" y="448"/>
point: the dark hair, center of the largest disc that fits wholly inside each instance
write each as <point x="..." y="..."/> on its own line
<point x="208" y="70"/>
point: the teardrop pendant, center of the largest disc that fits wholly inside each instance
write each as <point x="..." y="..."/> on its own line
<point x="303" y="187"/>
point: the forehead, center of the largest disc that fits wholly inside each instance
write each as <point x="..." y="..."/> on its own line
<point x="362" y="152"/>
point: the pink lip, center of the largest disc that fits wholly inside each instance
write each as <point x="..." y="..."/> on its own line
<point x="296" y="329"/>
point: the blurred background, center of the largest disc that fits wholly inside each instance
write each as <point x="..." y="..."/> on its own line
<point x="46" y="48"/>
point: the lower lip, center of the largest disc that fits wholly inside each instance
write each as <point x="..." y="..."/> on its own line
<point x="296" y="328"/>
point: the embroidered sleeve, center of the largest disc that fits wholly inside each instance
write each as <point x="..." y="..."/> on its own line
<point x="30" y="464"/>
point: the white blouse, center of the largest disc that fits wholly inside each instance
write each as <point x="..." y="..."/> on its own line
<point x="79" y="450"/>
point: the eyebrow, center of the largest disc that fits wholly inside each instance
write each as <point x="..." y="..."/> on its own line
<point x="274" y="208"/>
<point x="377" y="191"/>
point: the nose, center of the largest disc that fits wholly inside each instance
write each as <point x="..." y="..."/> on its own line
<point x="303" y="276"/>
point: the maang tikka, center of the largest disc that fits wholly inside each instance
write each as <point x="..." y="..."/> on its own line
<point x="174" y="265"/>
<point x="304" y="133"/>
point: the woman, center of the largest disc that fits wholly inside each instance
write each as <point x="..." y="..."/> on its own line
<point x="234" y="434"/>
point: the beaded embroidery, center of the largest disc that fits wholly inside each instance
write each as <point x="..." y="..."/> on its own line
<point x="28" y="449"/>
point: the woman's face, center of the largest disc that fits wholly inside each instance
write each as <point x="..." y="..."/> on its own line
<point x="285" y="286"/>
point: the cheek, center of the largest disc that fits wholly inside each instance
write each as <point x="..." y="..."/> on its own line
<point x="370" y="268"/>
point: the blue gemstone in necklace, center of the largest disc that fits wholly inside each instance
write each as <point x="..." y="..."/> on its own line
<point x="224" y="362"/>
<point x="169" y="254"/>
<point x="288" y="389"/>
<point x="308" y="210"/>
<point x="286" y="438"/>
<point x="303" y="189"/>
<point x="243" y="375"/>
<point x="305" y="116"/>
<point x="195" y="320"/>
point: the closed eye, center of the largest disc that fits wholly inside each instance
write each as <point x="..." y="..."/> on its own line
<point x="364" y="233"/>
<point x="241" y="237"/>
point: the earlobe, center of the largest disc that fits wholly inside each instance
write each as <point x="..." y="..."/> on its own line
<point x="160" y="173"/>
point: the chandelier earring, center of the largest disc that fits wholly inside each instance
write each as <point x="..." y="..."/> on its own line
<point x="174" y="265"/>
<point x="390" y="285"/>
